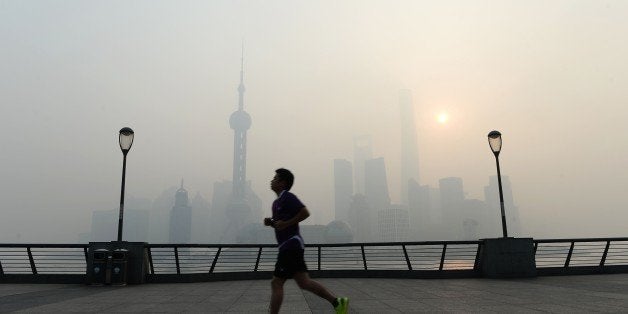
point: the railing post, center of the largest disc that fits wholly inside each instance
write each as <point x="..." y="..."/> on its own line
<point x="86" y="256"/>
<point x="569" y="254"/>
<point x="476" y="263"/>
<point x="536" y="245"/>
<point x="176" y="259"/>
<point x="363" y="257"/>
<point x="32" y="260"/>
<point x="407" y="258"/>
<point x="1" y="270"/>
<point x="442" y="257"/>
<point x="211" y="270"/>
<point x="319" y="257"/>
<point x="259" y="254"/>
<point x="603" y="260"/>
<point x="150" y="261"/>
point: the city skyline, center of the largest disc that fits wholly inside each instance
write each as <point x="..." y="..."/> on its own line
<point x="549" y="76"/>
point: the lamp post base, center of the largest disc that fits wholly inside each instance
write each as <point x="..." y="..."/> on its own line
<point x="507" y="258"/>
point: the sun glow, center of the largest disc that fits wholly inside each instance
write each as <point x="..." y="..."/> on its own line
<point x="442" y="118"/>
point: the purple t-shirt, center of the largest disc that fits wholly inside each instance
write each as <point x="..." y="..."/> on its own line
<point x="285" y="208"/>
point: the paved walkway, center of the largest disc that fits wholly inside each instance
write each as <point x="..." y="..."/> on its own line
<point x="565" y="294"/>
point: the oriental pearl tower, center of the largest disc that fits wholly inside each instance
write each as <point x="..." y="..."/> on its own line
<point x="238" y="210"/>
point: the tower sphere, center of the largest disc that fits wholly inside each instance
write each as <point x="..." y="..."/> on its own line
<point x="240" y="120"/>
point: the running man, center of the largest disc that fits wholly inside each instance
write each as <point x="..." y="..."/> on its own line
<point x="288" y="211"/>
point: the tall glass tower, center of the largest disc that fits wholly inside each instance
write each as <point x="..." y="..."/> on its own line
<point x="409" y="146"/>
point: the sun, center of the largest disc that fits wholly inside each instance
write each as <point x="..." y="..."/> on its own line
<point x="442" y="118"/>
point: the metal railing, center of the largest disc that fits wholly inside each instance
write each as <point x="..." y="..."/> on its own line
<point x="329" y="259"/>
<point x="430" y="259"/>
<point x="58" y="263"/>
<point x="581" y="256"/>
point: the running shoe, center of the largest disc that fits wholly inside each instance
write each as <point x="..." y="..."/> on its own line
<point x="343" y="305"/>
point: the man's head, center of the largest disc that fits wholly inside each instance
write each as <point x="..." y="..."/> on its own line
<point x="283" y="180"/>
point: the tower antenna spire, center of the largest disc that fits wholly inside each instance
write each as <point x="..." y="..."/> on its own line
<point x="241" y="88"/>
<point x="242" y="63"/>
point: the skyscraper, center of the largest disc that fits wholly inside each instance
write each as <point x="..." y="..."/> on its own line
<point x="359" y="219"/>
<point x="376" y="184"/>
<point x="419" y="207"/>
<point x="136" y="218"/>
<point x="343" y="188"/>
<point x="409" y="146"/>
<point x="200" y="219"/>
<point x="376" y="191"/>
<point x="451" y="202"/>
<point x="393" y="225"/>
<point x="362" y="152"/>
<point x="491" y="197"/>
<point x="180" y="218"/>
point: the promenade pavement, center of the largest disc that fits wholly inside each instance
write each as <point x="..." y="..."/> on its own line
<point x="559" y="294"/>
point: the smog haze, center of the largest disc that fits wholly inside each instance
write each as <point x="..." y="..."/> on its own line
<point x="550" y="76"/>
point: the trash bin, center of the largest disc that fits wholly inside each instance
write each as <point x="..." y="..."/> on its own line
<point x="119" y="266"/>
<point x="99" y="266"/>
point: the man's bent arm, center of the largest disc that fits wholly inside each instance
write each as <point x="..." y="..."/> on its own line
<point x="300" y="216"/>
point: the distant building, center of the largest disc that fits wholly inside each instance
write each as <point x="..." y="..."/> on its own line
<point x="200" y="219"/>
<point x="376" y="183"/>
<point x="393" y="225"/>
<point x="159" y="224"/>
<point x="84" y="237"/>
<point x="470" y="229"/>
<point x="376" y="191"/>
<point x="343" y="188"/>
<point x="475" y="220"/>
<point x="362" y="151"/>
<point x="221" y="226"/>
<point x="419" y="210"/>
<point x="491" y="197"/>
<point x="409" y="144"/>
<point x="338" y="232"/>
<point x="314" y="234"/>
<point x="360" y="219"/>
<point x="162" y="209"/>
<point x="451" y="202"/>
<point x="256" y="233"/>
<point x="334" y="232"/>
<point x="217" y="216"/>
<point x="105" y="225"/>
<point x="181" y="218"/>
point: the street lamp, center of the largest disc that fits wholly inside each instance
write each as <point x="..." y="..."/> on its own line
<point x="495" y="141"/>
<point x="126" y="140"/>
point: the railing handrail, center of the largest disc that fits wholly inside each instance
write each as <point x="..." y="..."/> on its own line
<point x="44" y="245"/>
<point x="241" y="245"/>
<point x="567" y="240"/>
<point x="268" y="245"/>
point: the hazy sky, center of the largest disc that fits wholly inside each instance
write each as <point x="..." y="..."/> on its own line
<point x="550" y="75"/>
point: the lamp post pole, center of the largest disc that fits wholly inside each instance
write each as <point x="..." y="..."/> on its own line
<point x="126" y="140"/>
<point x="495" y="142"/>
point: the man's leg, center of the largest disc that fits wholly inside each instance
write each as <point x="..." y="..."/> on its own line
<point x="305" y="282"/>
<point x="276" y="297"/>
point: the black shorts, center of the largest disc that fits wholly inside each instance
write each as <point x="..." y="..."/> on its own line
<point x="288" y="263"/>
